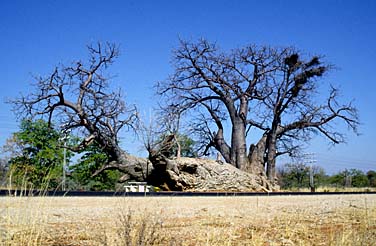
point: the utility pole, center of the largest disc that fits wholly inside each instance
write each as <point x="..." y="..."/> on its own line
<point x="65" y="138"/>
<point x="311" y="181"/>
<point x="309" y="159"/>
<point x="64" y="163"/>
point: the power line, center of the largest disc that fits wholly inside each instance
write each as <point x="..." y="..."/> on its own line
<point x="349" y="162"/>
<point x="343" y="158"/>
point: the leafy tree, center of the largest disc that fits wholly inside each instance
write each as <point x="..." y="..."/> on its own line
<point x="294" y="175"/>
<point x="41" y="157"/>
<point x="319" y="175"/>
<point x="339" y="179"/>
<point x="358" y="178"/>
<point x="371" y="175"/>
<point x="297" y="175"/>
<point x="186" y="146"/>
<point x="92" y="159"/>
<point x="350" y="178"/>
<point x="269" y="89"/>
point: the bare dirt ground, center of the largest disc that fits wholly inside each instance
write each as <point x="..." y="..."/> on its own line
<point x="287" y="220"/>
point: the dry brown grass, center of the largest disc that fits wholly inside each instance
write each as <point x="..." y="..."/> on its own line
<point x="293" y="220"/>
<point x="335" y="189"/>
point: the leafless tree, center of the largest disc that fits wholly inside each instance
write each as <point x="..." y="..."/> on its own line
<point x="80" y="98"/>
<point x="295" y="115"/>
<point x="265" y="88"/>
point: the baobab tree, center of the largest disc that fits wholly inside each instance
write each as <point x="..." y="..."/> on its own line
<point x="269" y="89"/>
<point x="79" y="98"/>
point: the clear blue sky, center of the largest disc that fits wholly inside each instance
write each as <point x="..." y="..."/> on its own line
<point x="37" y="35"/>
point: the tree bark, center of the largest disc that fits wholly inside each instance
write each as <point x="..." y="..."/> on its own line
<point x="133" y="168"/>
<point x="271" y="158"/>
<point x="221" y="146"/>
<point x="238" y="144"/>
<point x="195" y="174"/>
<point x="256" y="164"/>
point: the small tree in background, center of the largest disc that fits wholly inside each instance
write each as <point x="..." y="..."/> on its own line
<point x="371" y="175"/>
<point x="186" y="145"/>
<point x="350" y="178"/>
<point x="359" y="178"/>
<point x="82" y="173"/>
<point x="294" y="175"/>
<point x="38" y="155"/>
<point x="319" y="176"/>
<point x="297" y="175"/>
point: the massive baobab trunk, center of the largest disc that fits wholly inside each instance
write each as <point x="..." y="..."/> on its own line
<point x="198" y="174"/>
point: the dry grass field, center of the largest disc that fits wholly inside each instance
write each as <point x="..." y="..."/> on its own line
<point x="292" y="220"/>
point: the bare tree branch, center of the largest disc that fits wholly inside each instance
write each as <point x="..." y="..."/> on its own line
<point x="79" y="97"/>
